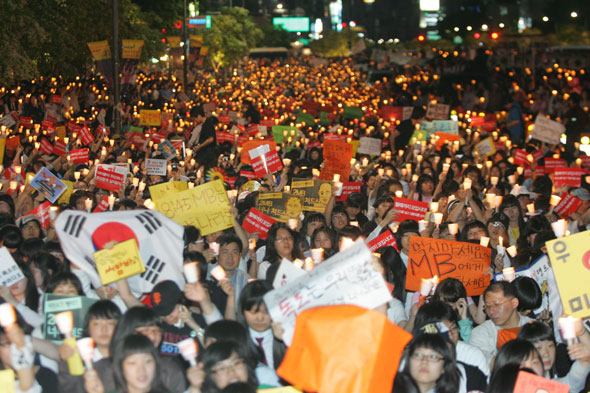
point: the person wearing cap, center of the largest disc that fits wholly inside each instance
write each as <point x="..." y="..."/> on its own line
<point x="30" y="227"/>
<point x="580" y="220"/>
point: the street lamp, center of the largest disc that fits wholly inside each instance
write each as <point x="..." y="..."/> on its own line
<point x="574" y="14"/>
<point x="545" y="19"/>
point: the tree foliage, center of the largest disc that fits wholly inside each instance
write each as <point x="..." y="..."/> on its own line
<point x="334" y="43"/>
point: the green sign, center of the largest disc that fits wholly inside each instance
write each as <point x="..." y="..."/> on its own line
<point x="293" y="24"/>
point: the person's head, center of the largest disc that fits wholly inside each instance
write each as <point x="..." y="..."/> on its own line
<point x="192" y="239"/>
<point x="542" y="337"/>
<point x="136" y="365"/>
<point x="43" y="265"/>
<point x="235" y="332"/>
<point x="230" y="248"/>
<point x="449" y="291"/>
<point x="324" y="237"/>
<point x="223" y="366"/>
<point x="354" y="204"/>
<point x="511" y="208"/>
<point x="497" y="226"/>
<point x="382" y="205"/>
<point x="311" y="222"/>
<point x="11" y="237"/>
<point x="501" y="303"/>
<point x="6" y="204"/>
<point x="425" y="185"/>
<point x="405" y="231"/>
<point x="528" y="293"/>
<point x="474" y="230"/>
<point x="340" y="217"/>
<point x="141" y="320"/>
<point x="403" y="383"/>
<point x="519" y="352"/>
<point x="31" y="227"/>
<point x="504" y="379"/>
<point x="431" y="364"/>
<point x="436" y="311"/>
<point x="280" y="243"/>
<point x="100" y="322"/>
<point x="396" y="268"/>
<point x="167" y="301"/>
<point x="239" y="387"/>
<point x="252" y="311"/>
<point x="65" y="283"/>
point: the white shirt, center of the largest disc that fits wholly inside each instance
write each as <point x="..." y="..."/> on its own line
<point x="267" y="344"/>
<point x="485" y="337"/>
<point x="472" y="356"/>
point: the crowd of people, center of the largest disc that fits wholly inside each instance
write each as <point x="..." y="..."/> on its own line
<point x="460" y="343"/>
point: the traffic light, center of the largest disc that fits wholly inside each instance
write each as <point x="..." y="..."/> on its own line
<point x="421" y="38"/>
<point x="476" y="36"/>
<point x="495" y="36"/>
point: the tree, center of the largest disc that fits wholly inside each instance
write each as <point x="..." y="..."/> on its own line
<point x="231" y="36"/>
<point x="334" y="43"/>
<point x="272" y="35"/>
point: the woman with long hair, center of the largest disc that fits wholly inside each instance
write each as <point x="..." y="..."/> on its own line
<point x="280" y="243"/>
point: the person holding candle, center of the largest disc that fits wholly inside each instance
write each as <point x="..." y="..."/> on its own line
<point x="511" y="209"/>
<point x="230" y="250"/>
<point x="280" y="244"/>
<point x="497" y="226"/>
<point x="311" y="222"/>
<point x="424" y="189"/>
<point x="325" y="238"/>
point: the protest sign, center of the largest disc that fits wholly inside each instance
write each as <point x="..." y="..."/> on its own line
<point x="352" y="112"/>
<point x="149" y="117"/>
<point x="9" y="270"/>
<point x="570" y="259"/>
<point x="347" y="277"/>
<point x="568" y="176"/>
<point x="418" y="136"/>
<point x="386" y="239"/>
<point x="222" y="136"/>
<point x="42" y="214"/>
<point x="305" y="118"/>
<point x="154" y="166"/>
<point x="280" y="205"/>
<point x="7" y="381"/>
<point x="546" y="130"/>
<point x="486" y="147"/>
<point x="65" y="196"/>
<point x="54" y="304"/>
<point x="282" y="132"/>
<point x="568" y="205"/>
<point x="120" y="261"/>
<point x="59" y="148"/>
<point x="165" y="147"/>
<point x="286" y="273"/>
<point x="46" y="147"/>
<point x="438" y="111"/>
<point x="315" y="194"/>
<point x="520" y="158"/>
<point x="86" y="136"/>
<point x="337" y="156"/>
<point x="249" y="145"/>
<point x="410" y="209"/>
<point x="467" y="262"/>
<point x="205" y="206"/>
<point x="48" y="184"/>
<point x="532" y="383"/>
<point x="79" y="156"/>
<point x="264" y="160"/>
<point x="258" y="223"/>
<point x="446" y="126"/>
<point x="370" y="146"/>
<point x="110" y="177"/>
<point x="102" y="206"/>
<point x="347" y="189"/>
<point x="7" y="121"/>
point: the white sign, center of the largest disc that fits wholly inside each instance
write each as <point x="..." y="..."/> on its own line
<point x="370" y="146"/>
<point x="347" y="277"/>
<point x="438" y="111"/>
<point x="155" y="166"/>
<point x="547" y="130"/>
<point x="286" y="273"/>
<point x="10" y="273"/>
<point x="7" y="120"/>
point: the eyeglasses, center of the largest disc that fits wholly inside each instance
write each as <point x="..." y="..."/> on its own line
<point x="284" y="239"/>
<point x="429" y="358"/>
<point x="495" y="305"/>
<point x="224" y="370"/>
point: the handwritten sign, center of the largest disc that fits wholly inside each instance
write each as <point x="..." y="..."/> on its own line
<point x="279" y="205"/>
<point x="286" y="273"/>
<point x="110" y="177"/>
<point x="48" y="184"/>
<point x="533" y="383"/>
<point x="249" y="145"/>
<point x="154" y="166"/>
<point x="438" y="111"/>
<point x="315" y="194"/>
<point x="54" y="304"/>
<point x="370" y="146"/>
<point x="168" y="188"/>
<point x="337" y="156"/>
<point x="410" y="209"/>
<point x="546" y="130"/>
<point x="257" y="222"/>
<point x="281" y="133"/>
<point x="121" y="261"/>
<point x="466" y="262"/>
<point x="347" y="277"/>
<point x="569" y="176"/>
<point x="10" y="273"/>
<point x="205" y="206"/>
<point x="486" y="147"/>
<point x="149" y="117"/>
<point x="570" y="259"/>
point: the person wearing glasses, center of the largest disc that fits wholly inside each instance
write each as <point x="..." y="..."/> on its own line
<point x="501" y="306"/>
<point x="280" y="243"/>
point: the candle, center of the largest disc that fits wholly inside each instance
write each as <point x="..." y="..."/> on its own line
<point x="414" y="178"/>
<point x="65" y="323"/>
<point x="191" y="272"/>
<point x="252" y="244"/>
<point x="567" y="325"/>
<point x="421" y="226"/>
<point x="559" y="227"/>
<point x="484" y="241"/>
<point x="149" y="204"/>
<point x="453" y="228"/>
<point x="345" y="243"/>
<point x="531" y="208"/>
<point x="399" y="193"/>
<point x="141" y="186"/>
<point x="434" y="207"/>
<point x="308" y="264"/>
<point x="52" y="212"/>
<point x="286" y="161"/>
<point x="111" y="201"/>
<point x="438" y="218"/>
<point x="7" y="315"/>
<point x="88" y="204"/>
<point x="298" y="263"/>
<point x="293" y="223"/>
<point x="215" y="247"/>
<point x="426" y="286"/>
<point x="287" y="189"/>
<point x="77" y="175"/>
<point x="467" y="184"/>
<point x="17" y="169"/>
<point x="494" y="180"/>
<point x="520" y="170"/>
<point x="188" y="350"/>
<point x="445" y="168"/>
<point x="191" y="184"/>
<point x="135" y="182"/>
<point x="380" y="171"/>
<point x="509" y="274"/>
<point x="500" y="240"/>
<point x="554" y="200"/>
<point x="490" y="198"/>
<point x="365" y="161"/>
<point x="86" y="350"/>
<point x="218" y="273"/>
<point x="317" y="255"/>
<point x="13" y="185"/>
<point x="336" y="177"/>
<point x="511" y="251"/>
<point x="512" y="179"/>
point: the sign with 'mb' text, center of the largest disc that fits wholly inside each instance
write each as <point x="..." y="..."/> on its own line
<point x="315" y="194"/>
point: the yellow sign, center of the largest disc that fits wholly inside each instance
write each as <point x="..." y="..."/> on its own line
<point x="65" y="197"/>
<point x="61" y="132"/>
<point x="174" y="41"/>
<point x="196" y="41"/>
<point x="206" y="207"/>
<point x="162" y="190"/>
<point x="204" y="51"/>
<point x="149" y="117"/>
<point x="486" y="147"/>
<point x="121" y="261"/>
<point x="570" y="260"/>
<point x="2" y="148"/>
<point x="7" y="381"/>
<point x="100" y="50"/>
<point x="131" y="49"/>
<point x="314" y="194"/>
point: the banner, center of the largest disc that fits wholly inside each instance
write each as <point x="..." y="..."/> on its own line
<point x="149" y="117"/>
<point x="568" y="205"/>
<point x="55" y="304"/>
<point x="410" y="209"/>
<point x="570" y="259"/>
<point x="130" y="54"/>
<point x="370" y="146"/>
<point x="101" y="53"/>
<point x="438" y="111"/>
<point x="546" y="130"/>
<point x="348" y="277"/>
<point x="206" y="207"/>
<point x="160" y="242"/>
<point x="258" y="223"/>
<point x="110" y="177"/>
<point x="568" y="176"/>
<point x="467" y="262"/>
<point x="120" y="261"/>
<point x="337" y="156"/>
<point x="386" y="239"/>
<point x="347" y="189"/>
<point x="155" y="166"/>
<point x="165" y="189"/>
<point x="315" y="194"/>
<point x="48" y="184"/>
<point x="280" y="205"/>
<point x="10" y="273"/>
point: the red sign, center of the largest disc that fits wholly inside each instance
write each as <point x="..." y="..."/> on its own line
<point x="347" y="189"/>
<point x="253" y="130"/>
<point x="55" y="99"/>
<point x="383" y="240"/>
<point x="109" y="179"/>
<point x="59" y="148"/>
<point x="103" y="205"/>
<point x="224" y="119"/>
<point x="258" y="222"/>
<point x="585" y="161"/>
<point x="568" y="176"/>
<point x="538" y="154"/>
<point x="552" y="163"/>
<point x="520" y="158"/>
<point x="410" y="209"/>
<point x="26" y="121"/>
<point x="569" y="204"/>
<point x="248" y="175"/>
<point x="42" y="214"/>
<point x="269" y="162"/>
<point x="86" y="136"/>
<point x="224" y="137"/>
<point x="48" y="123"/>
<point x="46" y="147"/>
<point x="79" y="156"/>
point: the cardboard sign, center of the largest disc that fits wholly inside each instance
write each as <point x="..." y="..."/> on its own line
<point x="110" y="177"/>
<point x="533" y="383"/>
<point x="166" y="189"/>
<point x="257" y="222"/>
<point x="42" y="214"/>
<point x="568" y="205"/>
<point x="467" y="262"/>
<point x="7" y="381"/>
<point x="206" y="207"/>
<point x="370" y="146"/>
<point x="48" y="184"/>
<point x="386" y="239"/>
<point x="553" y="163"/>
<point x="279" y="205"/>
<point x="286" y="273"/>
<point x="249" y="145"/>
<point x="283" y="132"/>
<point x="347" y="189"/>
<point x="102" y="206"/>
<point x="520" y="158"/>
<point x="315" y="194"/>
<point x="79" y="156"/>
<point x="347" y="277"/>
<point x="546" y="130"/>
<point x="486" y="147"/>
<point x="149" y="117"/>
<point x="121" y="261"/>
<point x="54" y="304"/>
<point x="165" y="147"/>
<point x="337" y="156"/>
<point x="86" y="136"/>
<point x="568" y="176"/>
<point x="65" y="197"/>
<point x="155" y="166"/>
<point x="264" y="160"/>
<point x="570" y="259"/>
<point x="10" y="273"/>
<point x="410" y="209"/>
<point x="352" y="112"/>
<point x="438" y="111"/>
